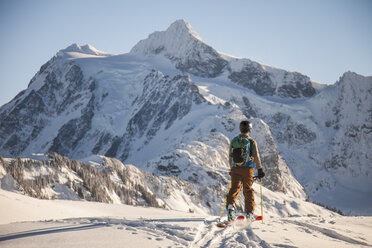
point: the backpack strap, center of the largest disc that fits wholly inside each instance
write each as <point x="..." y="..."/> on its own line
<point x="241" y="143"/>
<point x="250" y="149"/>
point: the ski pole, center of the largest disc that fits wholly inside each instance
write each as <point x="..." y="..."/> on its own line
<point x="261" y="200"/>
<point x="224" y="203"/>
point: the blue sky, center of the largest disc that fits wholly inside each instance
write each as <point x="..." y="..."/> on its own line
<point x="320" y="38"/>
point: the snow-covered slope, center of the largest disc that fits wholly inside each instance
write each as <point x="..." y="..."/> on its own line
<point x="171" y="105"/>
<point x="39" y="223"/>
<point x="108" y="180"/>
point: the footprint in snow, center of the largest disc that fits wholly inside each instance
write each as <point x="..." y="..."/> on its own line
<point x="130" y="229"/>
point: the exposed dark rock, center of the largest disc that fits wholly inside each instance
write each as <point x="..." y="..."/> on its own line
<point x="70" y="134"/>
<point x="288" y="131"/>
<point x="112" y="151"/>
<point x="103" y="140"/>
<point x="42" y="69"/>
<point x="296" y="87"/>
<point x="248" y="109"/>
<point x="21" y="124"/>
<point x="254" y="76"/>
<point x="197" y="64"/>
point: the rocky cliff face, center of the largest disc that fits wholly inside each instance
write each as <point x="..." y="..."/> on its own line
<point x="163" y="100"/>
<point x="268" y="81"/>
<point x="55" y="92"/>
<point x="352" y="123"/>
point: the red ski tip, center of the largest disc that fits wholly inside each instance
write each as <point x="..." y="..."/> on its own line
<point x="259" y="218"/>
<point x="240" y="217"/>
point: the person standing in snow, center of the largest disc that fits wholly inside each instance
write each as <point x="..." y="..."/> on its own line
<point x="243" y="158"/>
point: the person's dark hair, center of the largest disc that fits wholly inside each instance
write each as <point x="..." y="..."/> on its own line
<point x="245" y="126"/>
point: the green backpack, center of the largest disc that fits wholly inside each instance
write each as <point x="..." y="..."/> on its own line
<point x="241" y="150"/>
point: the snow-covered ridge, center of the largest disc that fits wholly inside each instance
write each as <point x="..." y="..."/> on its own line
<point x="355" y="78"/>
<point x="77" y="51"/>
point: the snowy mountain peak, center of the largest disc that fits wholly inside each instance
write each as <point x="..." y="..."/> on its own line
<point x="183" y="28"/>
<point x="77" y="51"/>
<point x="184" y="47"/>
<point x="355" y="78"/>
<point x="189" y="53"/>
<point x="177" y="40"/>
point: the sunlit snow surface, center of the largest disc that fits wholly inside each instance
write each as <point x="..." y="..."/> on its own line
<point x="30" y="222"/>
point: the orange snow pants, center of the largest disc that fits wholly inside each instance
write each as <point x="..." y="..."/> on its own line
<point x="242" y="177"/>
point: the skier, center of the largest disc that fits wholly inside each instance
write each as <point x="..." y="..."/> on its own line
<point x="243" y="157"/>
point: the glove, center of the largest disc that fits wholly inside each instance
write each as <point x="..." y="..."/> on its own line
<point x="261" y="174"/>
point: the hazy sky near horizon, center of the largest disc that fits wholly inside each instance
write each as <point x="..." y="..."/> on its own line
<point x="319" y="38"/>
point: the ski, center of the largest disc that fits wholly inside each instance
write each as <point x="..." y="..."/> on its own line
<point x="238" y="219"/>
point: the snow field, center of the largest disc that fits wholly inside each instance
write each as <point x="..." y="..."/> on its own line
<point x="30" y="222"/>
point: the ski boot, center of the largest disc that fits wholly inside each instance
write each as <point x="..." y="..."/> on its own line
<point x="230" y="214"/>
<point x="250" y="217"/>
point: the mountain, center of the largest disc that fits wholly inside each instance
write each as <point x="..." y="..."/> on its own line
<point x="189" y="53"/>
<point x="170" y="106"/>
